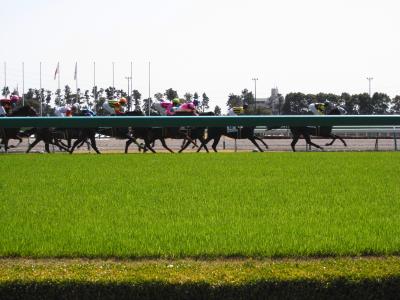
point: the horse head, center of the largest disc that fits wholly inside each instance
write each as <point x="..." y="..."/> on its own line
<point x="25" y="111"/>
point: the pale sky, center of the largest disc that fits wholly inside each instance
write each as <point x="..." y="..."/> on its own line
<point x="212" y="46"/>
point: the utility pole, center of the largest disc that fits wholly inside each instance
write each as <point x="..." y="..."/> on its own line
<point x="255" y="93"/>
<point x="130" y="100"/>
<point x="113" y="73"/>
<point x="148" y="103"/>
<point x="23" y="83"/>
<point x="5" y="74"/>
<point x="40" y="88"/>
<point x="369" y="84"/>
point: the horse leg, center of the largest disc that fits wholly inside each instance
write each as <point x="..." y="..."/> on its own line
<point x="165" y="145"/>
<point x="6" y="145"/>
<point x="15" y="146"/>
<point x="262" y="141"/>
<point x="93" y="144"/>
<point x="148" y="145"/>
<point x="334" y="137"/>
<point x="333" y="140"/>
<point x="129" y="142"/>
<point x="294" y="141"/>
<point x="35" y="142"/>
<point x="215" y="143"/>
<point x="308" y="141"/>
<point x="203" y="143"/>
<point x="255" y="144"/>
<point x="76" y="143"/>
<point x="184" y="145"/>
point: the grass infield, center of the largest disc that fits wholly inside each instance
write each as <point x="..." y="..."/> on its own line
<point x="200" y="205"/>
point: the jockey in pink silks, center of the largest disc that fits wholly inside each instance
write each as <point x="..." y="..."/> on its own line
<point x="188" y="107"/>
<point x="171" y="107"/>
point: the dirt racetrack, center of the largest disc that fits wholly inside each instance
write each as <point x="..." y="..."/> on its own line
<point x="229" y="145"/>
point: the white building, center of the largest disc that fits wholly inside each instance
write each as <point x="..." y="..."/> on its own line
<point x="271" y="105"/>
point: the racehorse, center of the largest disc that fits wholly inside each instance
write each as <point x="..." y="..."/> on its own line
<point x="7" y="134"/>
<point x="151" y="134"/>
<point x="55" y="135"/>
<point x="321" y="131"/>
<point x="124" y="132"/>
<point x="215" y="133"/>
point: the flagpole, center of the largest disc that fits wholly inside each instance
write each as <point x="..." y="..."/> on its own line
<point x="23" y="84"/>
<point x="76" y="77"/>
<point x="149" y="91"/>
<point x="113" y="73"/>
<point x="94" y="74"/>
<point x="131" y="77"/>
<point x="58" y="66"/>
<point x="40" y="86"/>
<point x="5" y="74"/>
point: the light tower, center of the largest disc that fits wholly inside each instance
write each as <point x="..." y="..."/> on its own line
<point x="369" y="85"/>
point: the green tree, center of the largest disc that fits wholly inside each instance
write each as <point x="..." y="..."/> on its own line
<point x="395" y="105"/>
<point x="68" y="98"/>
<point x="147" y="103"/>
<point x="110" y="93"/>
<point x="171" y="94"/>
<point x="217" y="110"/>
<point x="295" y="104"/>
<point x="365" y="105"/>
<point x="380" y="102"/>
<point x="159" y="97"/>
<point x="205" y="102"/>
<point x="5" y="91"/>
<point x="234" y="100"/>
<point x="188" y="97"/>
<point x="136" y="97"/>
<point x="349" y="103"/>
<point x="59" y="101"/>
<point x="248" y="97"/>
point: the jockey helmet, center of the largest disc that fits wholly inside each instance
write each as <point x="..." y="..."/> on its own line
<point x="123" y="101"/>
<point x="176" y="101"/>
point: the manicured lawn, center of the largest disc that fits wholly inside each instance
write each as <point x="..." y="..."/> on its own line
<point x="200" y="205"/>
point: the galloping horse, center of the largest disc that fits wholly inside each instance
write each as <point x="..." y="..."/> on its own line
<point x="151" y="134"/>
<point x="321" y="131"/>
<point x="7" y="134"/>
<point x="123" y="133"/>
<point x="215" y="133"/>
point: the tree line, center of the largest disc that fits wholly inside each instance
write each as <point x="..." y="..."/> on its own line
<point x="292" y="104"/>
<point x="357" y="104"/>
<point x="45" y="100"/>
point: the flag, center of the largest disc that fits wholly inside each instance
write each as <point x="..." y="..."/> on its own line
<point x="57" y="71"/>
<point x="76" y="71"/>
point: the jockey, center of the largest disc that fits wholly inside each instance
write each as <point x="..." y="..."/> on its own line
<point x="237" y="110"/>
<point x="115" y="106"/>
<point x="87" y="112"/>
<point x="234" y="111"/>
<point x="65" y="111"/>
<point x="2" y="111"/>
<point x="171" y="107"/>
<point x="188" y="107"/>
<point x="318" y="108"/>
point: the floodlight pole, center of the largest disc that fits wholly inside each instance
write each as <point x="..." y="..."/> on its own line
<point x="255" y="93"/>
<point x="369" y="84"/>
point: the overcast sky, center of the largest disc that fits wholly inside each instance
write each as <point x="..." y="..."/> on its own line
<point x="211" y="46"/>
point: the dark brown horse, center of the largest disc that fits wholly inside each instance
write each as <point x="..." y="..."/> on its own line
<point x="186" y="133"/>
<point x="8" y="134"/>
<point x="321" y="131"/>
<point x="215" y="134"/>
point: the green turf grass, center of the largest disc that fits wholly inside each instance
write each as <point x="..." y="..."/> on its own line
<point x="199" y="205"/>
